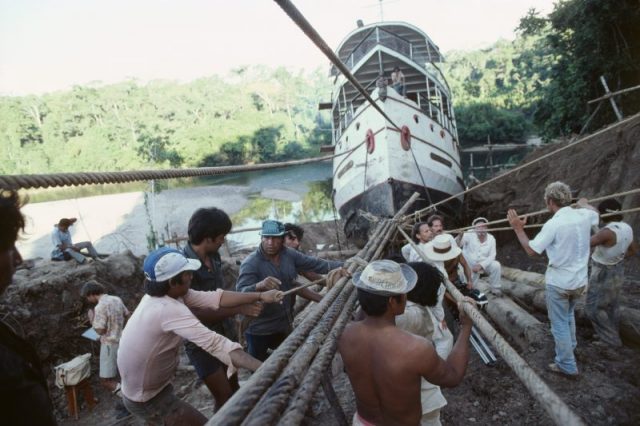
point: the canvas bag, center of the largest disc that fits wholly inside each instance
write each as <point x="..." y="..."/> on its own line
<point x="73" y="372"/>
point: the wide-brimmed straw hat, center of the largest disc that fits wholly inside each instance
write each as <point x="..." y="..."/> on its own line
<point x="386" y="278"/>
<point x="442" y="248"/>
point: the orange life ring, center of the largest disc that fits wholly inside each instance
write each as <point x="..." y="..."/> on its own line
<point x="371" y="141"/>
<point x="405" y="138"/>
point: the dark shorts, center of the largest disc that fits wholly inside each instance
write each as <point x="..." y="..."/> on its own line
<point x="258" y="345"/>
<point x="204" y="363"/>
<point x="156" y="409"/>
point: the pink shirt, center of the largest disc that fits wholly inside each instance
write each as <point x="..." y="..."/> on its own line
<point x="151" y="340"/>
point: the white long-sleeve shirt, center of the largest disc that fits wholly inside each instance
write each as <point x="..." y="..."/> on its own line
<point x="477" y="252"/>
<point x="151" y="340"/>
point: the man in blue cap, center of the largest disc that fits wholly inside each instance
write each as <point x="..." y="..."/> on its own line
<point x="151" y="340"/>
<point x="275" y="266"/>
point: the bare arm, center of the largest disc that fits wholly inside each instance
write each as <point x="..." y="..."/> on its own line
<point x="217" y="315"/>
<point x="604" y="237"/>
<point x="233" y="299"/>
<point x="450" y="373"/>
<point x="309" y="294"/>
<point x="467" y="271"/>
<point x="518" y="226"/>
<point x="241" y="359"/>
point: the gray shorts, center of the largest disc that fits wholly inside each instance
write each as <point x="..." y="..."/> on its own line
<point x="108" y="360"/>
<point x="156" y="409"/>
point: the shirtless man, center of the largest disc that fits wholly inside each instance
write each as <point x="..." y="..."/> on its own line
<point x="384" y="363"/>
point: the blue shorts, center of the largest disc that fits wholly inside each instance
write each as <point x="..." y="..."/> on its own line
<point x="204" y="363"/>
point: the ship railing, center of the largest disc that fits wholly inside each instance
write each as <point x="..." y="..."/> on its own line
<point x="379" y="36"/>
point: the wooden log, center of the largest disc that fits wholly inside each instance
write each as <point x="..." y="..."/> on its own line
<point x="511" y="319"/>
<point x="520" y="276"/>
<point x="531" y="293"/>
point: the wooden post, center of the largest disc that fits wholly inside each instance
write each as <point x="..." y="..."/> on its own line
<point x="613" y="103"/>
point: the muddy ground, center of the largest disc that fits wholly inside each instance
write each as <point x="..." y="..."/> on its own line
<point x="45" y="301"/>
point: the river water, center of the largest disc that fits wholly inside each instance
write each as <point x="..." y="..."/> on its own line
<point x="132" y="217"/>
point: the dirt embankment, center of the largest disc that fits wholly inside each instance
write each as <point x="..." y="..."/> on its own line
<point x="607" y="163"/>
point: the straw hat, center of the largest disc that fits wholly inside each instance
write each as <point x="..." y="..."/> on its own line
<point x="386" y="278"/>
<point x="442" y="248"/>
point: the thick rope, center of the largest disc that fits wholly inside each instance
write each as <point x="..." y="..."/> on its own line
<point x="560" y="413"/>
<point x="300" y="401"/>
<point x="543" y="211"/>
<point x="540" y="225"/>
<point x="591" y="137"/>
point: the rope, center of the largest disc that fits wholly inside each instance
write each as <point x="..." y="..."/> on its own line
<point x="517" y="169"/>
<point x="94" y="178"/>
<point x="560" y="413"/>
<point x="313" y="35"/>
<point x="540" y="225"/>
<point x="539" y="212"/>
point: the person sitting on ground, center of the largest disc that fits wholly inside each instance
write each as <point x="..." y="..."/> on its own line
<point x="565" y="237"/>
<point x="207" y="230"/>
<point x="479" y="250"/>
<point x="385" y="364"/>
<point x="151" y="340"/>
<point x="23" y="386"/>
<point x="447" y="256"/>
<point x="64" y="249"/>
<point x="421" y="234"/>
<point x="275" y="266"/>
<point x="419" y="319"/>
<point x="107" y="319"/>
<point x="397" y="81"/>
<point x="612" y="244"/>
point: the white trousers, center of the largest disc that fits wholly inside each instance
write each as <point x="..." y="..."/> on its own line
<point x="493" y="270"/>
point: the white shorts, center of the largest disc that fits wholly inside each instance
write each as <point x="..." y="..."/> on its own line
<point x="108" y="360"/>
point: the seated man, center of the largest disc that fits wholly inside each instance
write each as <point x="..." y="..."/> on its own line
<point x="275" y="266"/>
<point x="385" y="365"/>
<point x="151" y="340"/>
<point x="64" y="249"/>
<point x="418" y="318"/>
<point x="447" y="256"/>
<point x="479" y="249"/>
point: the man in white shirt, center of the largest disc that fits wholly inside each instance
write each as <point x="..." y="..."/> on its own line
<point x="612" y="244"/>
<point x="479" y="249"/>
<point x="565" y="238"/>
<point x="421" y="234"/>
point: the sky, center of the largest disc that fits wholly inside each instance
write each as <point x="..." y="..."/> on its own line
<point x="50" y="45"/>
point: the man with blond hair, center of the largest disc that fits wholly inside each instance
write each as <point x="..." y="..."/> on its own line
<point x="565" y="238"/>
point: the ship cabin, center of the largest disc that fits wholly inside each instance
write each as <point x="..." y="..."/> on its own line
<point x="376" y="49"/>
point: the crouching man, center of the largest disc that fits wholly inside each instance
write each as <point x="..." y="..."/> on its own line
<point x="385" y="364"/>
<point x="148" y="354"/>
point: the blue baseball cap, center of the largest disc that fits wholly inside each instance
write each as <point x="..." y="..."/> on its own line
<point x="272" y="228"/>
<point x="165" y="263"/>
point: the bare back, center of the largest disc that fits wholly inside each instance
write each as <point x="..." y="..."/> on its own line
<point x="384" y="365"/>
